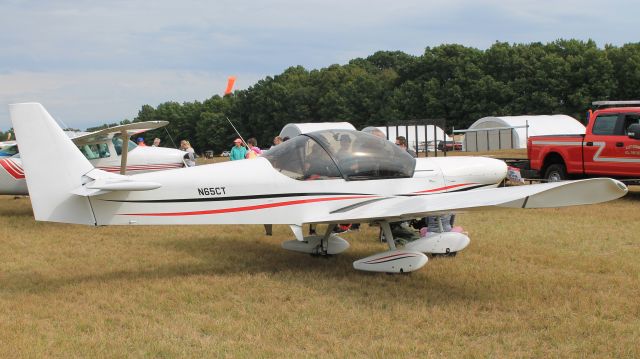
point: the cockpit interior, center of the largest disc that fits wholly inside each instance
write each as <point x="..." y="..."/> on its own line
<point x="340" y="154"/>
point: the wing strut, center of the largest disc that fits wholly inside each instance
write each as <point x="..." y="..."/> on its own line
<point x="125" y="152"/>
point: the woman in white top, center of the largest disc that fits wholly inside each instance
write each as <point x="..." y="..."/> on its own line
<point x="190" y="157"/>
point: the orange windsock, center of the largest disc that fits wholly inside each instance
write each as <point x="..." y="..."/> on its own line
<point x="230" y="83"/>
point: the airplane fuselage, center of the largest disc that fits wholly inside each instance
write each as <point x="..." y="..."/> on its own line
<point x="254" y="192"/>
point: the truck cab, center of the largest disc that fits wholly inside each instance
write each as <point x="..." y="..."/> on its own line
<point x="610" y="146"/>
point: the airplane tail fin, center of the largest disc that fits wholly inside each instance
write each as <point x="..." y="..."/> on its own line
<point x="53" y="166"/>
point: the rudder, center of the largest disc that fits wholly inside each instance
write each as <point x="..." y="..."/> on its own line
<point x="53" y="166"/>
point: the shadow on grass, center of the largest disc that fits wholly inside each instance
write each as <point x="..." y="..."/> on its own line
<point x="633" y="194"/>
<point x="223" y="256"/>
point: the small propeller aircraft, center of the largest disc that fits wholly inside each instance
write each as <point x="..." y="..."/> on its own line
<point x="103" y="149"/>
<point x="323" y="177"/>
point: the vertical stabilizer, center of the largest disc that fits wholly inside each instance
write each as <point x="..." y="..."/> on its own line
<point x="53" y="166"/>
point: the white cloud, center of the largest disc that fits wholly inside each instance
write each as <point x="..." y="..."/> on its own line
<point x="86" y="99"/>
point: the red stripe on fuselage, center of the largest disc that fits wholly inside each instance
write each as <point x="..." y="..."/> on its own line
<point x="405" y="254"/>
<point x="247" y="208"/>
<point x="16" y="167"/>
<point x="12" y="168"/>
<point x="446" y="188"/>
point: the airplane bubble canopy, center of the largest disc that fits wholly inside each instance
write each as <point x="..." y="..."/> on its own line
<point x="332" y="154"/>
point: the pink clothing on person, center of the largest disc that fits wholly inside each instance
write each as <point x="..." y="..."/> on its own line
<point x="254" y="149"/>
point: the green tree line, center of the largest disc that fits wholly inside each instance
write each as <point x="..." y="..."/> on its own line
<point x="452" y="82"/>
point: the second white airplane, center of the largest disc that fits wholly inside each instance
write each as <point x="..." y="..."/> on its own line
<point x="103" y="149"/>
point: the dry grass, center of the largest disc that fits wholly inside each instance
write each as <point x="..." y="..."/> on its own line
<point x="537" y="283"/>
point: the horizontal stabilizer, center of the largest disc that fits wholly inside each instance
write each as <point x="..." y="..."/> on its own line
<point x="102" y="186"/>
<point x="99" y="182"/>
<point x="122" y="185"/>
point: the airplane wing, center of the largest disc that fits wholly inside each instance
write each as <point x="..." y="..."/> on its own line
<point x="131" y="129"/>
<point x="557" y="194"/>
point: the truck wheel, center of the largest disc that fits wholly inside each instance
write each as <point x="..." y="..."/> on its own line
<point x="555" y="173"/>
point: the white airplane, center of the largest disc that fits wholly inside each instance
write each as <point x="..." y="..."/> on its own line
<point x="103" y="149"/>
<point x="8" y="149"/>
<point x="331" y="176"/>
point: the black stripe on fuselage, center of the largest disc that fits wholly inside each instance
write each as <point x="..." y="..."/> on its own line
<point x="360" y="204"/>
<point x="472" y="187"/>
<point x="267" y="196"/>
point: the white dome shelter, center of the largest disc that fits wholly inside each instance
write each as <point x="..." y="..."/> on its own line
<point x="294" y="129"/>
<point x="505" y="132"/>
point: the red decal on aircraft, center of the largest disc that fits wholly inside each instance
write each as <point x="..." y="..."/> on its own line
<point x="446" y="187"/>
<point x="247" y="208"/>
<point x="12" y="168"/>
<point x="392" y="257"/>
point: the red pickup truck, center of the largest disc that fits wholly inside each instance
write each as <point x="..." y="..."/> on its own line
<point x="610" y="146"/>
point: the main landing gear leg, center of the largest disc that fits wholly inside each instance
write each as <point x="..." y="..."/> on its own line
<point x="323" y="246"/>
<point x="388" y="236"/>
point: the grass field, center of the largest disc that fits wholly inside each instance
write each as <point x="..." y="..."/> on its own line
<point x="533" y="283"/>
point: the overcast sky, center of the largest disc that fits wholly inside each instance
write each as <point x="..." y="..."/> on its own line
<point x="93" y="62"/>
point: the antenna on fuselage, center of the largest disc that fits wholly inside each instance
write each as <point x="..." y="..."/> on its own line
<point x="171" y="138"/>
<point x="238" y="133"/>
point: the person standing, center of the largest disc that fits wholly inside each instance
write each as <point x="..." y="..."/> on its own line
<point x="190" y="157"/>
<point x="253" y="147"/>
<point x="401" y="141"/>
<point x="238" y="152"/>
<point x="401" y="229"/>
